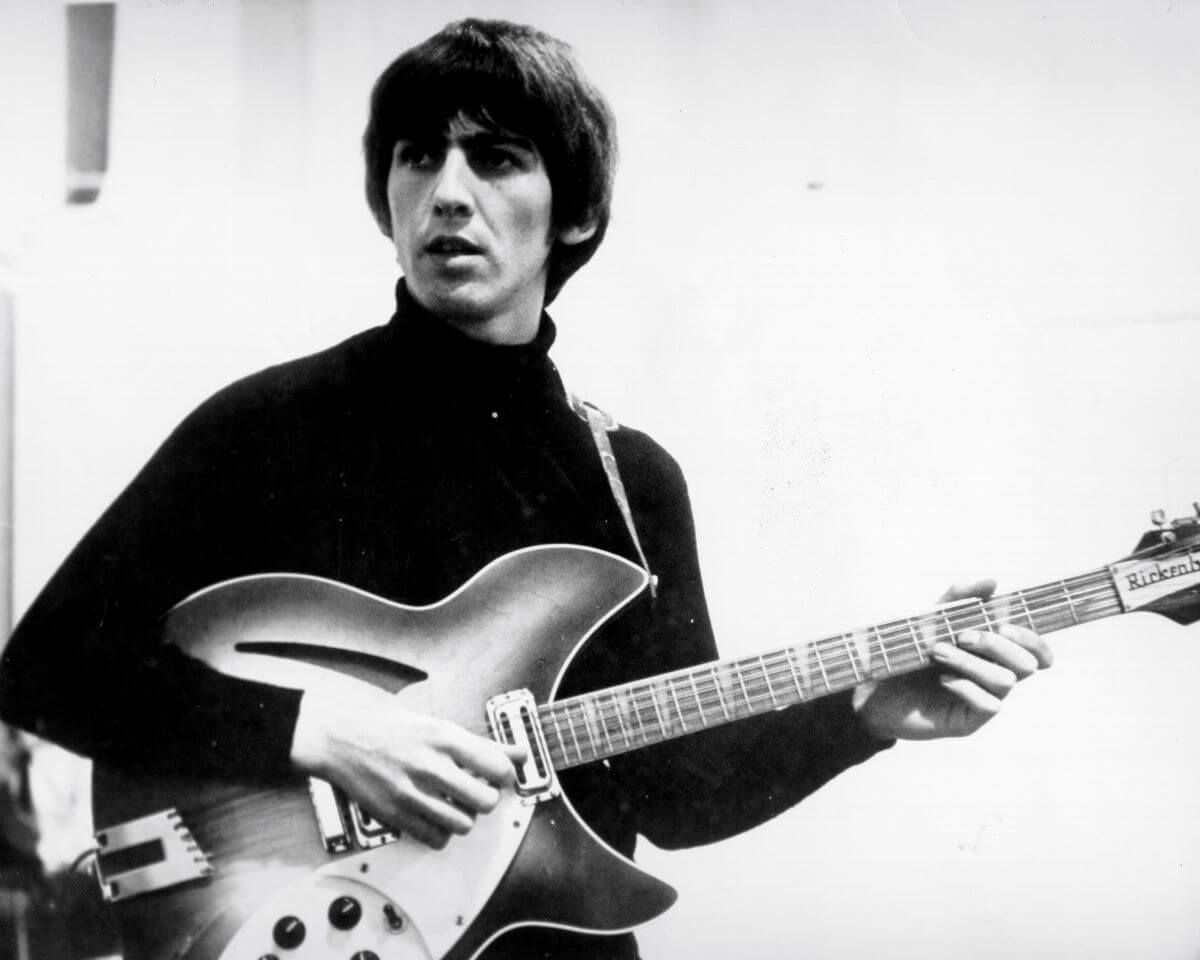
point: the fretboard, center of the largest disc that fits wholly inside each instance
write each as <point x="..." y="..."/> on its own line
<point x="619" y="719"/>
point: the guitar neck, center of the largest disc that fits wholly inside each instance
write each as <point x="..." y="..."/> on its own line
<point x="616" y="720"/>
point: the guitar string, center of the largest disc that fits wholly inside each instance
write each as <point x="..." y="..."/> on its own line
<point x="760" y="699"/>
<point x="891" y="635"/>
<point x="645" y="690"/>
<point x="639" y="695"/>
<point x="643" y="706"/>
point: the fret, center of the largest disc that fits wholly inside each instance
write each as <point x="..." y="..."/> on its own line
<point x="916" y="640"/>
<point x="699" y="702"/>
<point x="987" y="620"/>
<point x="741" y="677"/>
<point x="619" y="706"/>
<point x="1070" y="603"/>
<point x="951" y="634"/>
<point x="637" y="713"/>
<point x="790" y="657"/>
<point x="561" y="739"/>
<point x="662" y="724"/>
<point x="815" y="648"/>
<point x="585" y="711"/>
<point x="571" y="728"/>
<point x="1020" y="595"/>
<point x="887" y="665"/>
<point x="720" y="696"/>
<point x="850" y="654"/>
<point x="678" y="708"/>
<point x="762" y="665"/>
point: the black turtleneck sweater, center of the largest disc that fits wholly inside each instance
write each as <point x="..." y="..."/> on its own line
<point x="400" y="461"/>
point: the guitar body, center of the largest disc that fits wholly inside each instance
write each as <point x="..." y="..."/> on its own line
<point x="515" y="625"/>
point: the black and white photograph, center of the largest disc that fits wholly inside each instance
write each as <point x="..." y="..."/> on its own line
<point x="512" y="480"/>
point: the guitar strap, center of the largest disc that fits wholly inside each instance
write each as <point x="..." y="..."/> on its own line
<point x="601" y="425"/>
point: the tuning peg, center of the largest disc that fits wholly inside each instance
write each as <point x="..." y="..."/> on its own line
<point x="1158" y="518"/>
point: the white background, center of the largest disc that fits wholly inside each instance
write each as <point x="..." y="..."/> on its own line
<point x="912" y="291"/>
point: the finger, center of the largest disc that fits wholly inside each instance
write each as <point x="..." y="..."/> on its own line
<point x="471" y="794"/>
<point x="423" y="831"/>
<point x="1028" y="640"/>
<point x="485" y="758"/>
<point x="981" y="704"/>
<point x="429" y="804"/>
<point x="967" y="590"/>
<point x="996" y="679"/>
<point x="1001" y="648"/>
<point x="515" y="752"/>
<point x="412" y="824"/>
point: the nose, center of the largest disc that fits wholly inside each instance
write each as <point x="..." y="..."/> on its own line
<point x="452" y="196"/>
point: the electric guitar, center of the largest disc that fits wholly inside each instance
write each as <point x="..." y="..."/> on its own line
<point x="198" y="870"/>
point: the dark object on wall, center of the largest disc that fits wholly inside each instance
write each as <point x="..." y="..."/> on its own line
<point x="90" y="30"/>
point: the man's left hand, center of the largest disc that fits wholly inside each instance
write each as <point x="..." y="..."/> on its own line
<point x="964" y="686"/>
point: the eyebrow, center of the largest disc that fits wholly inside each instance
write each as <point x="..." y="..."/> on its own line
<point x="482" y="138"/>
<point x="489" y="139"/>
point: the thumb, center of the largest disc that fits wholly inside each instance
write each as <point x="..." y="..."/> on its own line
<point x="980" y="589"/>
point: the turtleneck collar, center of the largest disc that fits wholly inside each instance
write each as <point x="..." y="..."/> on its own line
<point x="447" y="355"/>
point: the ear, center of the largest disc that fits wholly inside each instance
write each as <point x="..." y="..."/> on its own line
<point x="573" y="235"/>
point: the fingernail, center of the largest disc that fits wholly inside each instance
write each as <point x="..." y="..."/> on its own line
<point x="943" y="650"/>
<point x="968" y="638"/>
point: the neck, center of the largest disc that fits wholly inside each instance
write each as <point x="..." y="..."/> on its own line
<point x="502" y="329"/>
<point x="613" y="721"/>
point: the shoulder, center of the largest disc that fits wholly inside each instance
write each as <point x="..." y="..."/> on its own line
<point x="649" y="471"/>
<point x="320" y="376"/>
<point x="312" y="389"/>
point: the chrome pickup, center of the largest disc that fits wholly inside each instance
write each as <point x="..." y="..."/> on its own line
<point x="513" y="719"/>
<point x="342" y="823"/>
<point x="369" y="832"/>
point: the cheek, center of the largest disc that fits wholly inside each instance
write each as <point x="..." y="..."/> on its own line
<point x="526" y="206"/>
<point x="401" y="196"/>
<point x="532" y="220"/>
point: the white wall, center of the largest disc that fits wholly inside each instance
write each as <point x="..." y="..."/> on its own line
<point x="912" y="291"/>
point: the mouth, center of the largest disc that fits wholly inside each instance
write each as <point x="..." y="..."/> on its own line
<point x="449" y="246"/>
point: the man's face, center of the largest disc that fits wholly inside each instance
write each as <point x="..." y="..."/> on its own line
<point x="471" y="223"/>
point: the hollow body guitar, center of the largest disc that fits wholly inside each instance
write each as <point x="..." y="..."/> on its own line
<point x="201" y="870"/>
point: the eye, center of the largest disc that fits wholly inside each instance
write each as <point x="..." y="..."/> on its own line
<point x="414" y="155"/>
<point x="496" y="159"/>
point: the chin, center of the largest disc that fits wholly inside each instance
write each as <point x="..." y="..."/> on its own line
<point x="457" y="302"/>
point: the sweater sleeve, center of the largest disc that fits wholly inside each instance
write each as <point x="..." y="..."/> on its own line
<point x="86" y="667"/>
<point x="722" y="781"/>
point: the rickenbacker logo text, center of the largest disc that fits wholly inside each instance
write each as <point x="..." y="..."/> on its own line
<point x="1140" y="579"/>
<point x="1143" y="582"/>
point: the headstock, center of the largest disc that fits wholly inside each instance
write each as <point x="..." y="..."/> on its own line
<point x="1162" y="574"/>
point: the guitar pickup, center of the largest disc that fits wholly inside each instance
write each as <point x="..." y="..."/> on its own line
<point x="369" y="832"/>
<point x="147" y="854"/>
<point x="513" y="719"/>
<point x="342" y="823"/>
<point x="330" y="820"/>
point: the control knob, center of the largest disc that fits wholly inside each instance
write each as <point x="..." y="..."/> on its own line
<point x="344" y="913"/>
<point x="289" y="932"/>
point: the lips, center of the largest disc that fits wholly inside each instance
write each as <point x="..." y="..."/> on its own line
<point x="450" y="246"/>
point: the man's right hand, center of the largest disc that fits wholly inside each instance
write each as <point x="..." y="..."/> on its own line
<point x="426" y="777"/>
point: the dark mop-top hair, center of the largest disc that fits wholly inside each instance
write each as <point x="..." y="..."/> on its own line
<point x="511" y="78"/>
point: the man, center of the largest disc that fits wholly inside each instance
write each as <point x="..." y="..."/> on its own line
<point x="406" y="458"/>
